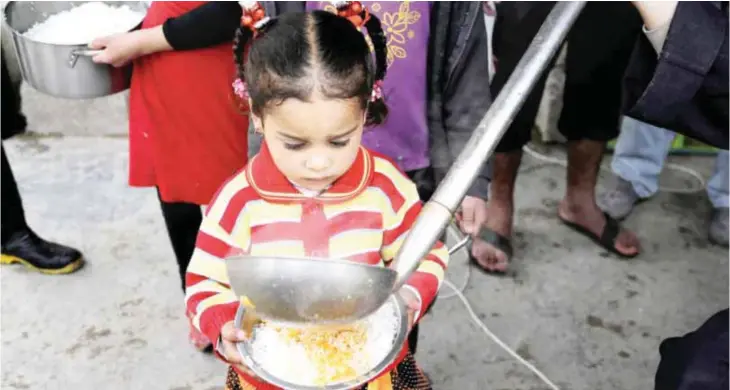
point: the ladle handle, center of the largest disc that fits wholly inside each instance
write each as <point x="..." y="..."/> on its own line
<point x="437" y="213"/>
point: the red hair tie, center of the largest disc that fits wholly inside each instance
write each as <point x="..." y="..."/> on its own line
<point x="377" y="93"/>
<point x="353" y="11"/>
<point x="254" y="17"/>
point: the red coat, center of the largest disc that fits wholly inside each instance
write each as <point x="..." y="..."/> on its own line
<point x="186" y="135"/>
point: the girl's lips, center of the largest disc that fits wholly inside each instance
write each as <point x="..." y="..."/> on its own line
<point x="318" y="180"/>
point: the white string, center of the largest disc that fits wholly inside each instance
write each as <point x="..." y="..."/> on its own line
<point x="496" y="339"/>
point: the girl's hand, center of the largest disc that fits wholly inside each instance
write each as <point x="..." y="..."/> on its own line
<point x="229" y="337"/>
<point x="413" y="304"/>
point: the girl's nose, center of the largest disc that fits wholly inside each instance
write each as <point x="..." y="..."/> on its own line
<point x="318" y="163"/>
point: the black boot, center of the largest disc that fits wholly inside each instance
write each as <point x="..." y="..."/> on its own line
<point x="27" y="248"/>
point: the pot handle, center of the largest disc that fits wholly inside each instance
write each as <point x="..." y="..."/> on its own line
<point x="76" y="53"/>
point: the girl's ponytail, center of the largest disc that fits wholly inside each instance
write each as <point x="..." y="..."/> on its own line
<point x="253" y="22"/>
<point x="240" y="43"/>
<point x="377" y="110"/>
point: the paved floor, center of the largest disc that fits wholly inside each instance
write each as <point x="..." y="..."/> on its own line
<point x="587" y="319"/>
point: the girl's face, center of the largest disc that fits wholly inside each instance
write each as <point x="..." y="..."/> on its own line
<point x="313" y="143"/>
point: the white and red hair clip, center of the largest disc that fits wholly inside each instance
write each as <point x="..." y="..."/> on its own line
<point x="254" y="16"/>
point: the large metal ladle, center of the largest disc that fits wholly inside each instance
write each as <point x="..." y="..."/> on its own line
<point x="309" y="290"/>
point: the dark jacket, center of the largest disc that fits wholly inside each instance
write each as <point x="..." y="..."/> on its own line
<point x="458" y="69"/>
<point x="686" y="88"/>
<point x="697" y="360"/>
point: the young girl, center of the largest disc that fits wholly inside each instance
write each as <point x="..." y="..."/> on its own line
<point x="312" y="190"/>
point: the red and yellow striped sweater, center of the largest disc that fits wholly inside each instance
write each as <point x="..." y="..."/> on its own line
<point x="364" y="216"/>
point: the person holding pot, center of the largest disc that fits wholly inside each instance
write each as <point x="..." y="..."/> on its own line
<point x="186" y="134"/>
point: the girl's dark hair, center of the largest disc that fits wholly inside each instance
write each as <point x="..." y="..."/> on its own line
<point x="297" y="52"/>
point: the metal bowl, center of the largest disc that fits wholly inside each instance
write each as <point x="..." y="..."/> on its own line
<point x="308" y="289"/>
<point x="64" y="71"/>
<point x="399" y="338"/>
<point x="313" y="290"/>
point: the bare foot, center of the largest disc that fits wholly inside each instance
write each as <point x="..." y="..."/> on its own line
<point x="590" y="216"/>
<point x="499" y="220"/>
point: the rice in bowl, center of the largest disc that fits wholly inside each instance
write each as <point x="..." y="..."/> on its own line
<point x="323" y="355"/>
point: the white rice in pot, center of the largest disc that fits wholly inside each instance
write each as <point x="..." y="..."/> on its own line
<point x="82" y="24"/>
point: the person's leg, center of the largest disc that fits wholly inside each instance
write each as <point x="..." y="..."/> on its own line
<point x="516" y="25"/>
<point x="182" y="221"/>
<point x="717" y="190"/>
<point x="13" y="215"/>
<point x="13" y="120"/>
<point x="637" y="162"/>
<point x="640" y="153"/>
<point x="717" y="186"/>
<point x="19" y="243"/>
<point x="591" y="116"/>
<point x="579" y="207"/>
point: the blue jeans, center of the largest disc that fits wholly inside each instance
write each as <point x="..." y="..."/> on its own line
<point x="639" y="157"/>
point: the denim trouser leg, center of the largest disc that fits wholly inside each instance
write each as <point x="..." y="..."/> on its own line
<point x="640" y="153"/>
<point x="717" y="186"/>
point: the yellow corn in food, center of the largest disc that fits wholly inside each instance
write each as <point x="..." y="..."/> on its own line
<point x="334" y="350"/>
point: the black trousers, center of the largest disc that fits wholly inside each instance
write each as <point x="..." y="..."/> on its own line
<point x="13" y="216"/>
<point x="183" y="222"/>
<point x="13" y="122"/>
<point x="599" y="46"/>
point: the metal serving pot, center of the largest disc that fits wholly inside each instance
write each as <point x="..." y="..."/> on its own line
<point x="64" y="71"/>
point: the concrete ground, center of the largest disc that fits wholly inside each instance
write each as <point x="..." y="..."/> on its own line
<point x="587" y="319"/>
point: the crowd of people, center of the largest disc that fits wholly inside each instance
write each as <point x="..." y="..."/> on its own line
<point x="235" y="143"/>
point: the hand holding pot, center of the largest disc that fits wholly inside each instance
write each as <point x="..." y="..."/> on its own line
<point x="119" y="49"/>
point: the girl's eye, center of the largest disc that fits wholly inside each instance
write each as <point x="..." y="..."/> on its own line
<point x="297" y="146"/>
<point x="340" y="144"/>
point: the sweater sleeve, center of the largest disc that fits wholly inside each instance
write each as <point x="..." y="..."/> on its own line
<point x="427" y="278"/>
<point x="210" y="24"/>
<point x="209" y="300"/>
